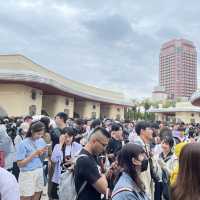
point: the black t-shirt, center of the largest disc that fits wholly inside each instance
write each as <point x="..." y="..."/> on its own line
<point x="86" y="169"/>
<point x="55" y="135"/>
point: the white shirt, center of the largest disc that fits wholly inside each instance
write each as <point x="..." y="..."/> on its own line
<point x="9" y="188"/>
<point x="132" y="136"/>
<point x="73" y="149"/>
<point x="157" y="150"/>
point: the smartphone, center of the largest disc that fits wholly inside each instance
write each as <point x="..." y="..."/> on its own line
<point x="48" y="145"/>
<point x="102" y="159"/>
<point x="67" y="157"/>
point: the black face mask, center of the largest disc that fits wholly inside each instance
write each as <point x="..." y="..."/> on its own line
<point x="144" y="165"/>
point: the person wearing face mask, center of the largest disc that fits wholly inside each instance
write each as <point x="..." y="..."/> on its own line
<point x="62" y="156"/>
<point x="132" y="159"/>
<point x="151" y="175"/>
<point x="167" y="162"/>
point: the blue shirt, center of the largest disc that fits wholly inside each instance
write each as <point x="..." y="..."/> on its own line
<point x="25" y="149"/>
<point x="124" y="182"/>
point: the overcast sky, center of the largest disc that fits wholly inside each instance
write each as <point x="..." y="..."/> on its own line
<point x="111" y="44"/>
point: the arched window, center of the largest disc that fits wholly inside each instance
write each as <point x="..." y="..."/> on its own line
<point x="66" y="102"/>
<point x="33" y="94"/>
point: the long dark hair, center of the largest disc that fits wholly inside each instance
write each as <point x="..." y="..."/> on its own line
<point x="187" y="185"/>
<point x="35" y="127"/>
<point x="127" y="153"/>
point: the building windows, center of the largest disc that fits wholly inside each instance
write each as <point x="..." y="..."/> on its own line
<point x="192" y="114"/>
<point x="94" y="107"/>
<point x="66" y="101"/>
<point x="94" y="115"/>
<point x="33" y="94"/>
<point x="118" y="109"/>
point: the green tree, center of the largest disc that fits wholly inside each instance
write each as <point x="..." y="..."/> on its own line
<point x="169" y="103"/>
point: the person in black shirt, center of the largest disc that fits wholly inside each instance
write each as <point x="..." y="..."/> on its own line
<point x="115" y="143"/>
<point x="55" y="133"/>
<point x="87" y="169"/>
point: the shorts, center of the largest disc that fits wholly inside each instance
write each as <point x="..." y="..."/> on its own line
<point x="31" y="182"/>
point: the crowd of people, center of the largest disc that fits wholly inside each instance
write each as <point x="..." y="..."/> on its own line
<point x="97" y="159"/>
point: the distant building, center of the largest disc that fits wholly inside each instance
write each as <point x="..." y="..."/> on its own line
<point x="159" y="94"/>
<point x="27" y="88"/>
<point x="178" y="68"/>
<point x="183" y="112"/>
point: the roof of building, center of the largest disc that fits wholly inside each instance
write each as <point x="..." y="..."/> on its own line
<point x="177" y="42"/>
<point x="195" y="99"/>
<point x="174" y="110"/>
<point x="20" y="69"/>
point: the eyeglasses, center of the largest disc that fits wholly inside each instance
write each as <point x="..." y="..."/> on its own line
<point x="104" y="145"/>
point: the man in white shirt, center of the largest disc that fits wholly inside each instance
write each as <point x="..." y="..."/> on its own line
<point x="9" y="188"/>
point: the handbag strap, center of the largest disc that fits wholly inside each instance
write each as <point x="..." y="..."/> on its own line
<point x="85" y="182"/>
<point x="121" y="190"/>
<point x="81" y="189"/>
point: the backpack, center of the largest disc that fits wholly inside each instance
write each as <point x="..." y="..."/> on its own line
<point x="67" y="190"/>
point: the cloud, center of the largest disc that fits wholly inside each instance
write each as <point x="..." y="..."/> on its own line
<point x="110" y="28"/>
<point x="109" y="44"/>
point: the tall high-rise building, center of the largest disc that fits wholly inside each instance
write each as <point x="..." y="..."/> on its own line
<point x="178" y="68"/>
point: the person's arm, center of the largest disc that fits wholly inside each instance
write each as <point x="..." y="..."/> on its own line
<point x="22" y="163"/>
<point x="57" y="151"/>
<point x="90" y="171"/>
<point x="23" y="159"/>
<point x="101" y="184"/>
<point x="56" y="154"/>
